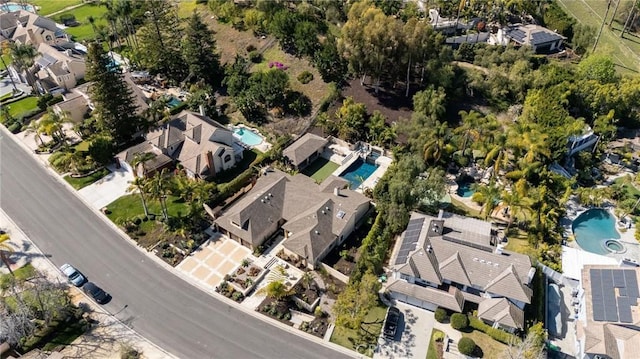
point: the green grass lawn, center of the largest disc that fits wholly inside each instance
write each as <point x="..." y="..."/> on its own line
<point x="490" y="348"/>
<point x="519" y="243"/>
<point x="47" y="7"/>
<point x="625" y="52"/>
<point x="432" y="351"/>
<point x="7" y="60"/>
<point x="66" y="336"/>
<point x="21" y="274"/>
<point x="82" y="182"/>
<point x="350" y="338"/>
<point x="186" y="7"/>
<point x="84" y="30"/>
<point x="130" y="206"/>
<point x="463" y="209"/>
<point x="24" y="106"/>
<point x="320" y="169"/>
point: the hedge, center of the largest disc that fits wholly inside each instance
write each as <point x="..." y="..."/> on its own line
<point x="440" y="315"/>
<point x="466" y="346"/>
<point x="497" y="334"/>
<point x="459" y="321"/>
<point x="367" y="249"/>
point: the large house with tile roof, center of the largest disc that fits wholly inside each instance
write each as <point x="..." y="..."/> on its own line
<point x="25" y="27"/>
<point x="312" y="218"/>
<point x="450" y="260"/>
<point x="202" y="146"/>
<point x="59" y="68"/>
<point x="608" y="319"/>
<point x="305" y="150"/>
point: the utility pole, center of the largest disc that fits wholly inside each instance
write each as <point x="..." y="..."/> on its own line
<point x="604" y="21"/>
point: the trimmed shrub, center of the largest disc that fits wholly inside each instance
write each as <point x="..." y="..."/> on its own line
<point x="251" y="48"/>
<point x="459" y="321"/>
<point x="440" y="315"/>
<point x="466" y="345"/>
<point x="305" y="77"/>
<point x="497" y="334"/>
<point x="255" y="57"/>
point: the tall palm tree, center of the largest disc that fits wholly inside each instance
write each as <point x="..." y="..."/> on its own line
<point x="5" y="247"/>
<point x="276" y="290"/>
<point x="92" y="21"/>
<point x="138" y="184"/>
<point x="23" y="57"/>
<point x="491" y="196"/>
<point x="632" y="13"/>
<point x="34" y="127"/>
<point x="139" y="160"/>
<point x="435" y="147"/>
<point x="158" y="190"/>
<point x="112" y="17"/>
<point x="604" y="21"/>
<point x="515" y="203"/>
<point x="615" y="10"/>
<point x="52" y="125"/>
<point x="5" y="50"/>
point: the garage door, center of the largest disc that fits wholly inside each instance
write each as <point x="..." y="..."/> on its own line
<point x="413" y="301"/>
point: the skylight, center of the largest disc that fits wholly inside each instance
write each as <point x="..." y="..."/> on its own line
<point x="341" y="214"/>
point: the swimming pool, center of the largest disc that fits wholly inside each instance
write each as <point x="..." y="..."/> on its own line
<point x="173" y="102"/>
<point x="595" y="232"/>
<point x="464" y="187"/>
<point x="9" y="7"/>
<point x="358" y="172"/>
<point x="248" y="137"/>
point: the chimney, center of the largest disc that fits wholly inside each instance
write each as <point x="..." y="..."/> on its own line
<point x="69" y="52"/>
<point x="440" y="214"/>
<point x="201" y="108"/>
<point x="212" y="167"/>
<point x="336" y="191"/>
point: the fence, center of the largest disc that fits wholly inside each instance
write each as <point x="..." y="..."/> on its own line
<point x="334" y="273"/>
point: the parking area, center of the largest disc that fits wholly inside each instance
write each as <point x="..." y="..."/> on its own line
<point x="107" y="189"/>
<point x="216" y="258"/>
<point x="412" y="338"/>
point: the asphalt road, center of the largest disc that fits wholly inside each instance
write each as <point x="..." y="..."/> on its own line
<point x="159" y="305"/>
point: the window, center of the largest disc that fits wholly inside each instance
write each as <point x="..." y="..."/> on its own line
<point x="48" y="38"/>
<point x="227" y="158"/>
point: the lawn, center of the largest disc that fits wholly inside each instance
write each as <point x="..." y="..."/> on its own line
<point x="7" y="60"/>
<point x="350" y="338"/>
<point x="24" y="106"/>
<point x="320" y="169"/>
<point x="84" y="30"/>
<point x="632" y="191"/>
<point x="186" y="7"/>
<point x="519" y="243"/>
<point x="21" y="274"/>
<point x="490" y="347"/>
<point x="82" y="182"/>
<point x="432" y="352"/>
<point x="625" y="52"/>
<point x="130" y="206"/>
<point x="462" y="208"/>
<point x="46" y="7"/>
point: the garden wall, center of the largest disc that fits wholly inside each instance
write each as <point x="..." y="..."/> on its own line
<point x="334" y="273"/>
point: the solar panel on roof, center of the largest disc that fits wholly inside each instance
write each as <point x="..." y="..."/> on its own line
<point x="401" y="259"/>
<point x="624" y="310"/>
<point x="632" y="283"/>
<point x="618" y="279"/>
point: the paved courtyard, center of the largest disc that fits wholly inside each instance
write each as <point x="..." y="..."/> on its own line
<point x="216" y="258"/>
<point x="107" y="189"/>
<point x="412" y="339"/>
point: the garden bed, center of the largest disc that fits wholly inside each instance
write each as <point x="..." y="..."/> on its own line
<point x="276" y="310"/>
<point x="317" y="327"/>
<point x="343" y="258"/>
<point x="307" y="297"/>
<point x="228" y="291"/>
<point x="245" y="277"/>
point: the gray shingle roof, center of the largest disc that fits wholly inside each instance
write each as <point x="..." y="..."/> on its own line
<point x="303" y="148"/>
<point x="452" y="300"/>
<point x="502" y="311"/>
<point x="467" y="262"/>
<point x="534" y="35"/>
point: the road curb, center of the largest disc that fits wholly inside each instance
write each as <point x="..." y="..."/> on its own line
<point x="172" y="270"/>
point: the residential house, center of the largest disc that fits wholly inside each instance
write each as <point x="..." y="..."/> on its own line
<point x="59" y="69"/>
<point x="312" y="218"/>
<point x="541" y="39"/>
<point x="25" y="27"/>
<point x="450" y="260"/>
<point x="304" y="150"/>
<point x="202" y="146"/>
<point x="608" y="319"/>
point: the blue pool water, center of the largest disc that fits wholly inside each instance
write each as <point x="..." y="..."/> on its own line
<point x="357" y="172"/>
<point x="15" y="7"/>
<point x="592" y="230"/>
<point x="464" y="188"/>
<point x="248" y="137"/>
<point x="173" y="102"/>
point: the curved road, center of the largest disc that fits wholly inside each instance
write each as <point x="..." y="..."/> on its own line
<point x="173" y="314"/>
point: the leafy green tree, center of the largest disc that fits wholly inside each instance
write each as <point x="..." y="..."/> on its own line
<point x="283" y="26"/>
<point x="305" y="38"/>
<point x="431" y="103"/>
<point x="466" y="346"/>
<point x="329" y="62"/>
<point x="352" y="117"/>
<point x="355" y="302"/>
<point x="380" y="134"/>
<point x="459" y="321"/>
<point x="583" y="37"/>
<point x="101" y="149"/>
<point x="115" y="107"/>
<point x="199" y="52"/>
<point x="202" y="95"/>
<point x="270" y="87"/>
<point x="236" y="77"/>
<point x="598" y="67"/>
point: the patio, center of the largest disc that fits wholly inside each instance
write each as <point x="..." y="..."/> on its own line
<point x="215" y="259"/>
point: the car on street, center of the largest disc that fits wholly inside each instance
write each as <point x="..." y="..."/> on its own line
<point x="73" y="274"/>
<point x="391" y="323"/>
<point x="96" y="293"/>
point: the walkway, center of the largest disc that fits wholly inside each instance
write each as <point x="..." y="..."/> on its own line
<point x="109" y="188"/>
<point x="64" y="10"/>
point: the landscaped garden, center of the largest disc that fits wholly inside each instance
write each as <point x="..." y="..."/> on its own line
<point x="84" y="30"/>
<point x="245" y="276"/>
<point x="343" y="258"/>
<point x="436" y="344"/>
<point x="320" y="169"/>
<point x="81" y="182"/>
<point x="46" y="7"/>
<point x="366" y="336"/>
<point x="23" y="107"/>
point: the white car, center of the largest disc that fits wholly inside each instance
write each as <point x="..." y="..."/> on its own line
<point x="74" y="276"/>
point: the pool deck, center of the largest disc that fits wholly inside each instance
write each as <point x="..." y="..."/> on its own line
<point x="263" y="146"/>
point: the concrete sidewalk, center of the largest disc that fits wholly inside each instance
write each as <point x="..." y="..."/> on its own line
<point x="107" y="337"/>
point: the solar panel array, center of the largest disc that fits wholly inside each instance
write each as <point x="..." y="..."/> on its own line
<point x="542" y="37"/>
<point x="608" y="305"/>
<point x="410" y="239"/>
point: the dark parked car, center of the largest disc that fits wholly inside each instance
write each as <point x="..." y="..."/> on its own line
<point x="96" y="293"/>
<point x="391" y="323"/>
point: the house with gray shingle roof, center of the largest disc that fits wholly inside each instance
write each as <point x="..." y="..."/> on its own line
<point x="202" y="146"/>
<point x="541" y="39"/>
<point x="449" y="261"/>
<point x="25" y="27"/>
<point x="313" y="219"/>
<point x="304" y="150"/>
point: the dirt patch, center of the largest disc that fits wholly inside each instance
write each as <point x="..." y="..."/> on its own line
<point x="317" y="327"/>
<point x="390" y="102"/>
<point x="230" y="41"/>
<point x="276" y="310"/>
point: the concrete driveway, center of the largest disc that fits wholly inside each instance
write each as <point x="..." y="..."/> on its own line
<point x="412" y="338"/>
<point x="108" y="188"/>
<point x="6" y="86"/>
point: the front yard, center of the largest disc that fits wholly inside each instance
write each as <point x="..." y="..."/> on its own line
<point x="489" y="348"/>
<point x="46" y="7"/>
<point x="367" y="336"/>
<point x="81" y="182"/>
<point x="23" y="107"/>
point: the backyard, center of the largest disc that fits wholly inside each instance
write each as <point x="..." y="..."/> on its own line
<point x="46" y="7"/>
<point x="625" y="52"/>
<point x="84" y="31"/>
<point x="320" y="169"/>
<point x="371" y="326"/>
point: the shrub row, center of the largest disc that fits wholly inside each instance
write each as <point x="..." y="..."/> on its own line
<point x="178" y="108"/>
<point x="497" y="334"/>
<point x="372" y="250"/>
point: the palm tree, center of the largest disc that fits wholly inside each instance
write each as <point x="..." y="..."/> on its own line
<point x="112" y="17"/>
<point x="4" y="51"/>
<point x="491" y="196"/>
<point x="5" y="247"/>
<point x="516" y="204"/>
<point x="138" y="184"/>
<point x="632" y="13"/>
<point x="435" y="147"/>
<point x="604" y="21"/>
<point x="23" y="57"/>
<point x="158" y="190"/>
<point x="470" y="128"/>
<point x="615" y="10"/>
<point x="139" y="159"/>
<point x="92" y="21"/>
<point x="276" y="290"/>
<point x="52" y="125"/>
<point x="34" y="127"/>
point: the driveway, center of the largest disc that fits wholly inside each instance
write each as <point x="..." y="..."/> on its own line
<point x="108" y="188"/>
<point x="6" y="86"/>
<point x="412" y="338"/>
<point x="215" y="259"/>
